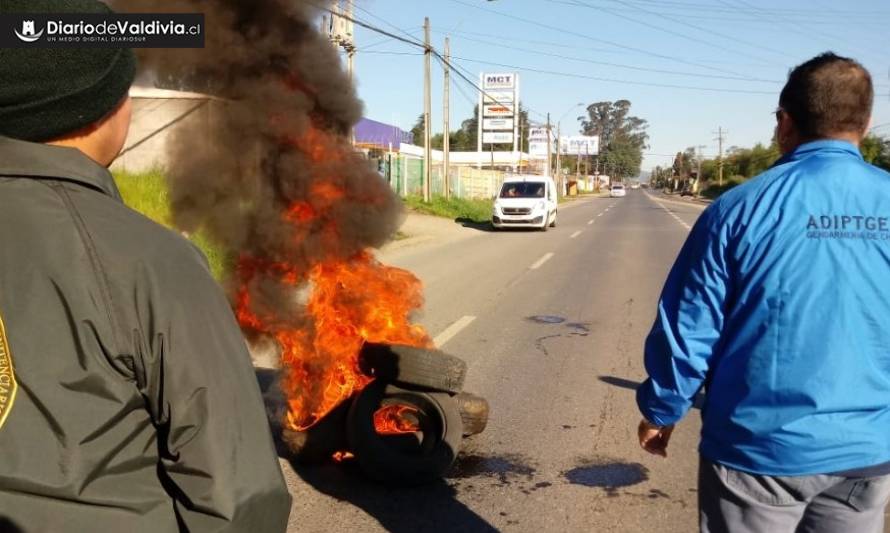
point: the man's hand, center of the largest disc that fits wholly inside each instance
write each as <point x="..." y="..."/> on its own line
<point x="654" y="439"/>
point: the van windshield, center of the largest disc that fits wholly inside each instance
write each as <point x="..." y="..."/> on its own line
<point x="523" y="189"/>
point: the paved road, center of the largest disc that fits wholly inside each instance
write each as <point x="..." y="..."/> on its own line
<point x="552" y="325"/>
<point x="553" y="328"/>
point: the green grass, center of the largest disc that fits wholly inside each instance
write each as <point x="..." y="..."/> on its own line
<point x="147" y="193"/>
<point x="454" y="208"/>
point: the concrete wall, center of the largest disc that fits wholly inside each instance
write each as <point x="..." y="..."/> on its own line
<point x="156" y="116"/>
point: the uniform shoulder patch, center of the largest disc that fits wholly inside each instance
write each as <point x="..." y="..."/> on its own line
<point x="8" y="385"/>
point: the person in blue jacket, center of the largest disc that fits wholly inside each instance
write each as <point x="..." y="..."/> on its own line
<point x="778" y="307"/>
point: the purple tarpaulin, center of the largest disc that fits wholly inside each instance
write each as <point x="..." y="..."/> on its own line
<point x="375" y="133"/>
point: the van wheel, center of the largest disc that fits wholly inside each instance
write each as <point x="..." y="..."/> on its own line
<point x="553" y="222"/>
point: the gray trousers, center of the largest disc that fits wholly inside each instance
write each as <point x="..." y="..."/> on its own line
<point x="731" y="501"/>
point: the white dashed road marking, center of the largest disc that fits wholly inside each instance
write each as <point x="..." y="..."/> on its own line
<point x="453" y="330"/>
<point x="541" y="261"/>
<point x="573" y="235"/>
<point x="671" y="213"/>
<point x="589" y="222"/>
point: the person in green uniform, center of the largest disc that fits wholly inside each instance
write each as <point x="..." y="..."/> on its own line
<point x="128" y="402"/>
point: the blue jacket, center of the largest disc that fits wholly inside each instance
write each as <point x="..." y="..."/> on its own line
<point x="779" y="306"/>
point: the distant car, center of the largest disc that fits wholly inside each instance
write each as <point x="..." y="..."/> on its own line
<point x="525" y="200"/>
<point x="635" y="186"/>
<point x="687" y="192"/>
<point x="617" y="191"/>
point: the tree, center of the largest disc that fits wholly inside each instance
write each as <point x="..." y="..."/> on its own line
<point x="678" y="164"/>
<point x="622" y="136"/>
<point x="876" y="150"/>
<point x="418" y="130"/>
<point x="465" y="139"/>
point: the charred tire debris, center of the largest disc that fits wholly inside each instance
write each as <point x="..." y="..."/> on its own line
<point x="428" y="382"/>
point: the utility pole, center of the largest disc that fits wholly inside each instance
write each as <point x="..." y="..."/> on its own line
<point x="479" y="120"/>
<point x="350" y="46"/>
<point x="427" y="111"/>
<point x="698" y="158"/>
<point x="721" y="134"/>
<point x="550" y="148"/>
<point x="339" y="29"/>
<point x="446" y="141"/>
<point x="558" y="149"/>
<point x="578" y="165"/>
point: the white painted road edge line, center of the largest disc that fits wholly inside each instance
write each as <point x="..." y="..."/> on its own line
<point x="671" y="213"/>
<point x="573" y="235"/>
<point x="453" y="330"/>
<point x="541" y="261"/>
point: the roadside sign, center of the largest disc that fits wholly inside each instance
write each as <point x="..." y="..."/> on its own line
<point x="497" y="110"/>
<point x="499" y="81"/>
<point x="497" y="137"/>
<point x="580" y="145"/>
<point x="498" y="97"/>
<point x="497" y="124"/>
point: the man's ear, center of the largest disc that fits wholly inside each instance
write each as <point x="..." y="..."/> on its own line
<point x="787" y="135"/>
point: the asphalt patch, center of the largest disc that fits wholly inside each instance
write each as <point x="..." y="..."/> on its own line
<point x="505" y="468"/>
<point x="546" y="319"/>
<point x="609" y="476"/>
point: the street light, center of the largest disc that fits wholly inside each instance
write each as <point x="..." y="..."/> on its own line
<point x="559" y="141"/>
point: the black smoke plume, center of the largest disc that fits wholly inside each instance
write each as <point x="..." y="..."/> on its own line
<point x="277" y="140"/>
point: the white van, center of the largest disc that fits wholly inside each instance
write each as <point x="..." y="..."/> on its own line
<point x="525" y="201"/>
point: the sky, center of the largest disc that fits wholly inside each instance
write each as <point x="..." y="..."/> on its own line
<point x="688" y="67"/>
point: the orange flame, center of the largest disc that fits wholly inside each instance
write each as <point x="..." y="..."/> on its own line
<point x="391" y="420"/>
<point x="339" y="457"/>
<point x="351" y="302"/>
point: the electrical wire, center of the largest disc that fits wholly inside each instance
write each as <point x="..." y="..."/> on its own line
<point x="675" y="20"/>
<point x="613" y="80"/>
<point x="802" y="30"/>
<point x="616" y="65"/>
<point x="594" y="39"/>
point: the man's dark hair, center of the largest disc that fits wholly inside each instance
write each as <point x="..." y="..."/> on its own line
<point x="828" y="95"/>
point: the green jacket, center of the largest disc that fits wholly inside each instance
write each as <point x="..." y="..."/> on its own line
<point x="128" y="402"/>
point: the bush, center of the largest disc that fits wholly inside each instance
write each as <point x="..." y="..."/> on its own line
<point x="713" y="190"/>
<point x="147" y="193"/>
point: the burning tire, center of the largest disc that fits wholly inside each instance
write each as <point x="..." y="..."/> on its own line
<point x="414" y="367"/>
<point x="318" y="443"/>
<point x="473" y="413"/>
<point x="408" y="455"/>
<point x="314" y="445"/>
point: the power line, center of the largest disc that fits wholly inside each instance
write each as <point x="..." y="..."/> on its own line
<point x="613" y="80"/>
<point x="804" y="31"/>
<point x="464" y="74"/>
<point x="384" y="41"/>
<point x="391" y="25"/>
<point x="617" y="65"/>
<point x="391" y="53"/>
<point x="588" y="37"/>
<point x="681" y="22"/>
<point x="711" y="7"/>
